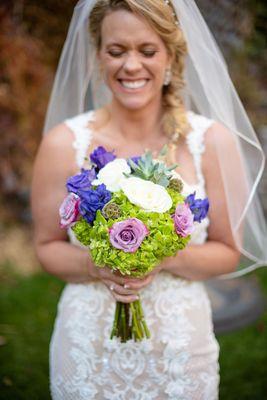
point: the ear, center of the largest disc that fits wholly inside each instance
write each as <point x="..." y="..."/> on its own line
<point x="170" y="61"/>
<point x="169" y="66"/>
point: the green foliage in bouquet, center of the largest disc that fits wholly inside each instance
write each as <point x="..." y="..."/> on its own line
<point x="161" y="242"/>
<point x="151" y="170"/>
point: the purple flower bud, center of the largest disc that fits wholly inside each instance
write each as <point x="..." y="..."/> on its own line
<point x="198" y="207"/>
<point x="100" y="157"/>
<point x="81" y="181"/>
<point x="128" y="235"/>
<point x="69" y="210"/>
<point x="183" y="220"/>
<point x="93" y="200"/>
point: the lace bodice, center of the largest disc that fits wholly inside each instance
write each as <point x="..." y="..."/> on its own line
<point x="178" y="362"/>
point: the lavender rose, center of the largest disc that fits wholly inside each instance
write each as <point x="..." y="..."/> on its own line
<point x="183" y="220"/>
<point x="69" y="210"/>
<point x="198" y="207"/>
<point x="128" y="235"/>
<point x="81" y="181"/>
<point x="100" y="157"/>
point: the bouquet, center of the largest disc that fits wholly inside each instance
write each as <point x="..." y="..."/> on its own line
<point x="130" y="213"/>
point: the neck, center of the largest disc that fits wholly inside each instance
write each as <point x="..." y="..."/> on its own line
<point x="137" y="125"/>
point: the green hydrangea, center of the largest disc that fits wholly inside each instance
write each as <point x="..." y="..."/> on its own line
<point x="161" y="242"/>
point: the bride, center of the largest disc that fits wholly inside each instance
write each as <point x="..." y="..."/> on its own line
<point x="155" y="77"/>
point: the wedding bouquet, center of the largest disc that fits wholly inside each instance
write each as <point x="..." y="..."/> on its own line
<point x="130" y="213"/>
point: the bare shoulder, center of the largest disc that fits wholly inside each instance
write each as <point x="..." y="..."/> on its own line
<point x="218" y="140"/>
<point x="56" y="147"/>
<point x="59" y="136"/>
<point x="218" y="134"/>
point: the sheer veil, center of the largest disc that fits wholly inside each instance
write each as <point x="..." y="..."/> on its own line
<point x="209" y="91"/>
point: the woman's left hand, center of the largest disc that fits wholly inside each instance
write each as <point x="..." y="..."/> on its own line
<point x="141" y="283"/>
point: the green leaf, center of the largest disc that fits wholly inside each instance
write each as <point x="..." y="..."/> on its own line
<point x="100" y="218"/>
<point x="163" y="151"/>
<point x="172" y="167"/>
<point x="132" y="164"/>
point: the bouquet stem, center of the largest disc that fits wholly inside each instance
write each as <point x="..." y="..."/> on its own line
<point x="129" y="322"/>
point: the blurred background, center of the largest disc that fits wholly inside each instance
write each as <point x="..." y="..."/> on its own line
<point x="31" y="37"/>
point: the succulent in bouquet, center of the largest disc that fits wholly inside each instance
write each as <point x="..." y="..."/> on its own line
<point x="130" y="214"/>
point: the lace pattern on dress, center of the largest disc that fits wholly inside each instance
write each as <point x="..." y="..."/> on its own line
<point x="173" y="364"/>
<point x="195" y="141"/>
<point x="82" y="135"/>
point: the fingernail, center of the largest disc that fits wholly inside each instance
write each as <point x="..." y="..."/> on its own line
<point x="126" y="286"/>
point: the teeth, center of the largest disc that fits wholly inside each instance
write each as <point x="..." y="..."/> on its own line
<point x="134" y="84"/>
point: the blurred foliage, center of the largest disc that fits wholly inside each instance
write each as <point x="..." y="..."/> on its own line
<point x="31" y="38"/>
<point x="240" y="28"/>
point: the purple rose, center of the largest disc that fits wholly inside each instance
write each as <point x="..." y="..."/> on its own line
<point x="198" y="207"/>
<point x="128" y="235"/>
<point x="81" y="181"/>
<point x="69" y="210"/>
<point x="183" y="220"/>
<point x="93" y="200"/>
<point x="100" y="157"/>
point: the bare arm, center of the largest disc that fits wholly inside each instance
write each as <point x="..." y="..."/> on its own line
<point x="219" y="254"/>
<point x="55" y="162"/>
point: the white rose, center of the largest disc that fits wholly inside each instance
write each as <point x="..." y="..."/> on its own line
<point x="147" y="195"/>
<point x="112" y="174"/>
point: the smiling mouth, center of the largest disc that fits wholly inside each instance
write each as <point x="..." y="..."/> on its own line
<point x="132" y="85"/>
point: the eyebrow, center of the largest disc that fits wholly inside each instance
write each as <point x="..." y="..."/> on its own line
<point x="123" y="45"/>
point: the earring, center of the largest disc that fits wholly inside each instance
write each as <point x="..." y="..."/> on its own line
<point x="175" y="136"/>
<point x="167" y="77"/>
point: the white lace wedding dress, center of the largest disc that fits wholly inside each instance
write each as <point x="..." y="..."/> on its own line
<point x="179" y="362"/>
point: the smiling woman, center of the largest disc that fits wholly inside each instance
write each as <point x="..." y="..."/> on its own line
<point x="151" y="52"/>
<point x="139" y="49"/>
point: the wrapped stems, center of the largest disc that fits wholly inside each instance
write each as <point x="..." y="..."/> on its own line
<point x="129" y="322"/>
<point x="142" y="318"/>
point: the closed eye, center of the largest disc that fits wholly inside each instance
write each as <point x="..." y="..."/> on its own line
<point x="115" y="53"/>
<point x="149" y="53"/>
<point x="146" y="53"/>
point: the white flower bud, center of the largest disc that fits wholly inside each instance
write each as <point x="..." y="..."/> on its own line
<point x="147" y="195"/>
<point x="112" y="174"/>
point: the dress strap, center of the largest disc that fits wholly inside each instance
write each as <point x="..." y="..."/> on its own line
<point x="195" y="141"/>
<point x="82" y="135"/>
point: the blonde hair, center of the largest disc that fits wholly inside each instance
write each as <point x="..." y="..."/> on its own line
<point x="162" y="19"/>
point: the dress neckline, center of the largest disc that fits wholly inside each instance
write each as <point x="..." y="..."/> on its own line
<point x="90" y="116"/>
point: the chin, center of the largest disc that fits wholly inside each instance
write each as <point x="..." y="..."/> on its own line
<point x="133" y="104"/>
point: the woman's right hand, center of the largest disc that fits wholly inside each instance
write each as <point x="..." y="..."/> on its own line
<point x="118" y="283"/>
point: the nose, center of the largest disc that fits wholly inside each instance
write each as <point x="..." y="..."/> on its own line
<point x="132" y="63"/>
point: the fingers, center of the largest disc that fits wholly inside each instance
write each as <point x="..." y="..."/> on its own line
<point x="140" y="283"/>
<point x="107" y="273"/>
<point x="125" y="299"/>
<point x="120" y="293"/>
<point x="124" y="289"/>
<point x="114" y="287"/>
